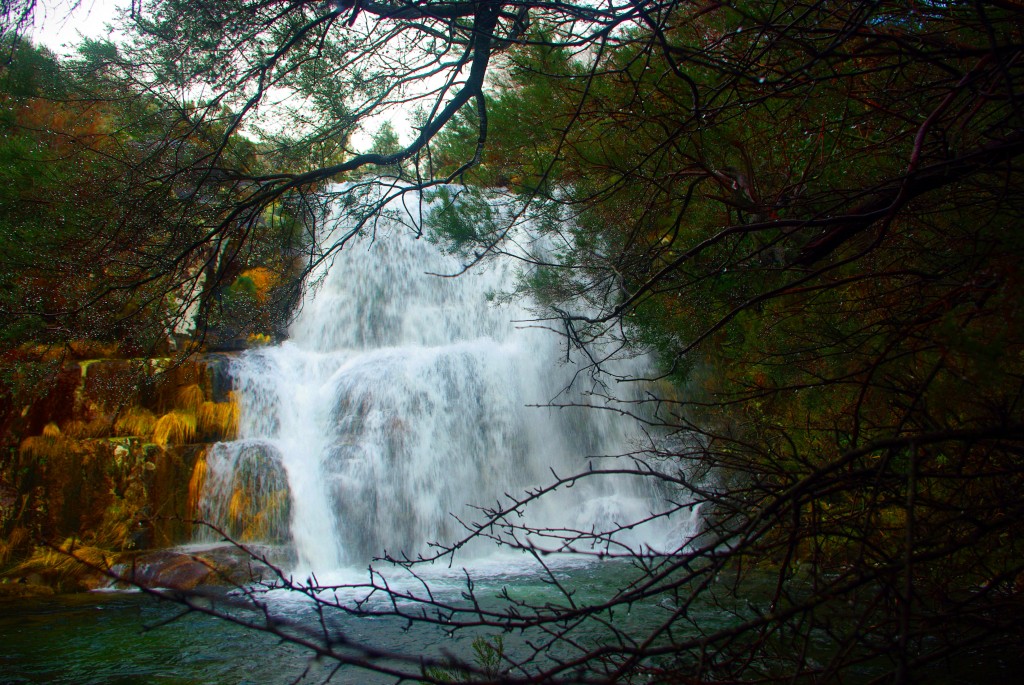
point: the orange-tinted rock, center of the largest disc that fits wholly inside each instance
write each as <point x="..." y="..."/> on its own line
<point x="78" y="483"/>
<point x="109" y="384"/>
<point x="58" y="405"/>
<point x="22" y="590"/>
<point x="165" y="569"/>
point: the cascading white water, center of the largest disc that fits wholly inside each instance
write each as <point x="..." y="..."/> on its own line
<point x="400" y="400"/>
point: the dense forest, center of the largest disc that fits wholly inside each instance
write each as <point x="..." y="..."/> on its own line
<point x="807" y="212"/>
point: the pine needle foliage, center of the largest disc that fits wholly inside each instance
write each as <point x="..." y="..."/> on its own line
<point x="84" y="430"/>
<point x="99" y="427"/>
<point x="43" y="449"/>
<point x="196" y="484"/>
<point x="218" y="420"/>
<point x="136" y="421"/>
<point x="66" y="562"/>
<point x="190" y="397"/>
<point x="175" y="427"/>
<point x="10" y="546"/>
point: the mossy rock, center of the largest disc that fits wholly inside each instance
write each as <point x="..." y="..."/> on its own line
<point x="71" y="568"/>
<point x="24" y="590"/>
<point x="217" y="368"/>
<point x="111" y="383"/>
<point x="58" y="405"/>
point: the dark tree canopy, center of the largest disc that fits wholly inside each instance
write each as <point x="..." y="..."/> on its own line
<point x="810" y="212"/>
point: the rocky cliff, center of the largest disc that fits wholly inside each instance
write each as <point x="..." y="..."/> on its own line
<point x="107" y="457"/>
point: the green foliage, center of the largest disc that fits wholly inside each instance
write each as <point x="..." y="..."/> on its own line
<point x="57" y="211"/>
<point x="243" y="288"/>
<point x="807" y="211"/>
<point x="844" y="336"/>
<point x="462" y="219"/>
<point x="29" y="71"/>
<point x="105" y="237"/>
<point x="385" y="140"/>
<point x="488" y="655"/>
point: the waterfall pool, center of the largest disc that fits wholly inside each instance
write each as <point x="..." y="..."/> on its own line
<point x="130" y="637"/>
<point x="400" y="404"/>
<point x="122" y="638"/>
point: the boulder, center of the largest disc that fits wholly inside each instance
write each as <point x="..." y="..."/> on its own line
<point x="177" y="569"/>
<point x="165" y="569"/>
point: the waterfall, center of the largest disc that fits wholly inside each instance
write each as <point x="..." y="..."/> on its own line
<point x="400" y="401"/>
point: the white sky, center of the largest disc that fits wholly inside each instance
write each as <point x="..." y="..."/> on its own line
<point x="60" y="30"/>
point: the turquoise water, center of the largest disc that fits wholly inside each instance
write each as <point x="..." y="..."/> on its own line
<point x="121" y="638"/>
<point x="129" y="637"/>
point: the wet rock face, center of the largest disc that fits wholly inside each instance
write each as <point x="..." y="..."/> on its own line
<point x="99" y="390"/>
<point x="186" y="570"/>
<point x="165" y="569"/>
<point x="217" y="374"/>
<point x="60" y="404"/>
<point x="82" y="461"/>
<point x="108" y="384"/>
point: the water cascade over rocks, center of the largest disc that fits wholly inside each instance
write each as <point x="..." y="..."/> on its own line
<point x="402" y="399"/>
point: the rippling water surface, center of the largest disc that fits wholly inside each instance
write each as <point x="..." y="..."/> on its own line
<point x="119" y="637"/>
